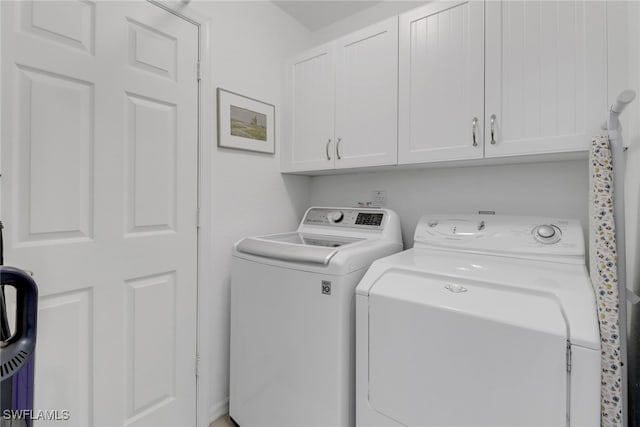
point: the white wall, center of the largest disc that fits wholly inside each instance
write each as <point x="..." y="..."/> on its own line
<point x="244" y="193"/>
<point x="624" y="73"/>
<point x="632" y="121"/>
<point x="547" y="189"/>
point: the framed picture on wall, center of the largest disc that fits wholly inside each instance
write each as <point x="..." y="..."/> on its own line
<point x="245" y="123"/>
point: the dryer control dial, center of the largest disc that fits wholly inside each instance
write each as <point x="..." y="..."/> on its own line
<point x="335" y="216"/>
<point x="547" y="233"/>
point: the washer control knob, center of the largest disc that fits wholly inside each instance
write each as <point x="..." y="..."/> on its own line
<point x="335" y="216"/>
<point x="547" y="233"/>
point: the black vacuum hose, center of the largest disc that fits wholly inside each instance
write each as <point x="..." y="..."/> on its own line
<point x="5" y="332"/>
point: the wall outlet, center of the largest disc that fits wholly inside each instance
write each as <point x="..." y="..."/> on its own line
<point x="379" y="198"/>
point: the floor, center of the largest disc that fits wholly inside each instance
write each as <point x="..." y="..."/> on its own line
<point x="223" y="421"/>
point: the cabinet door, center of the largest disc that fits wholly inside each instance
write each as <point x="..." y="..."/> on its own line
<point x="441" y="82"/>
<point x="546" y="81"/>
<point x="310" y="144"/>
<point x="367" y="96"/>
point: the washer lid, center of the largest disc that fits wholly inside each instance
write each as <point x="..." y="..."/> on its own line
<point x="296" y="247"/>
<point x="436" y="344"/>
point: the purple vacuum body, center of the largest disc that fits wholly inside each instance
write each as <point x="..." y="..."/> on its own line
<point x="17" y="350"/>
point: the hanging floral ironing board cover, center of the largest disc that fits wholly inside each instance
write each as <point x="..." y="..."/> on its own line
<point x="605" y="279"/>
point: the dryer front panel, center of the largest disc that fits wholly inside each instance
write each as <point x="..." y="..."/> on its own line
<point x="446" y="352"/>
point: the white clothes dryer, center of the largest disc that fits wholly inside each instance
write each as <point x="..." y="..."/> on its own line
<point x="293" y="317"/>
<point x="487" y="321"/>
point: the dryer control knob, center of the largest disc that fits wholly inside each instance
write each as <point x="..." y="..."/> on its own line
<point x="335" y="216"/>
<point x="547" y="233"/>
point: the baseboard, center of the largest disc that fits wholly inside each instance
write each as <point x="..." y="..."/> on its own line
<point x="219" y="409"/>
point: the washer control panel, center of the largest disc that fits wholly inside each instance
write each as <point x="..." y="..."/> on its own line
<point x="345" y="217"/>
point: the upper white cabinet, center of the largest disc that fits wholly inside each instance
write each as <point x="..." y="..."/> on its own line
<point x="535" y="85"/>
<point x="545" y="75"/>
<point x="312" y="111"/>
<point x="344" y="100"/>
<point x="366" y="129"/>
<point x="441" y="110"/>
<point x="451" y="80"/>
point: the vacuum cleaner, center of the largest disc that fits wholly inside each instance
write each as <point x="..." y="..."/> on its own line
<point x="17" y="349"/>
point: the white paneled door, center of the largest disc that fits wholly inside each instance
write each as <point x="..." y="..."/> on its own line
<point x="99" y="197"/>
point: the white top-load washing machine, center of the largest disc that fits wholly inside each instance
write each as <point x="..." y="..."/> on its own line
<point x="293" y="317"/>
<point x="487" y="321"/>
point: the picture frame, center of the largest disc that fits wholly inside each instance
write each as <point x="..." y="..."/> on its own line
<point x="245" y="123"/>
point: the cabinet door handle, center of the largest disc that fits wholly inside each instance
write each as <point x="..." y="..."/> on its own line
<point x="338" y="148"/>
<point x="327" y="149"/>
<point x="493" y="129"/>
<point x="474" y="128"/>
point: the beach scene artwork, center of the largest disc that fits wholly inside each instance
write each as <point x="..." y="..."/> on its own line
<point x="248" y="124"/>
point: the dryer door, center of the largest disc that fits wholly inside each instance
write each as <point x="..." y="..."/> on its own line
<point x="454" y="352"/>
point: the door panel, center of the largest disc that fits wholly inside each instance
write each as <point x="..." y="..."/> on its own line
<point x="441" y="82"/>
<point x="64" y="354"/>
<point x="150" y="316"/>
<point x="152" y="50"/>
<point x="58" y="200"/>
<point x="69" y="23"/>
<point x="546" y="78"/>
<point x="99" y="181"/>
<point x="151" y="168"/>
